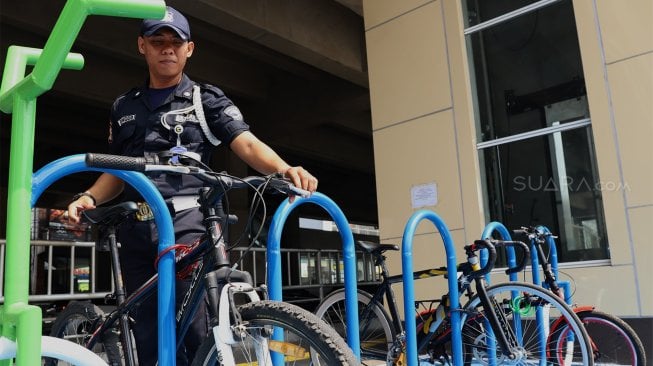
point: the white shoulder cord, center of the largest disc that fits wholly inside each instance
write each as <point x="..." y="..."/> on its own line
<point x="199" y="112"/>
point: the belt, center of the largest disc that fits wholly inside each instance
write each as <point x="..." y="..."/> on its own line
<point x="175" y="204"/>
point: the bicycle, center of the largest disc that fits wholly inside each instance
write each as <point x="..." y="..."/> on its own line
<point x="501" y="314"/>
<point x="613" y="341"/>
<point x="242" y="322"/>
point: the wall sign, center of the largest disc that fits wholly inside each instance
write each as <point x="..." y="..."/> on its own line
<point x="424" y="195"/>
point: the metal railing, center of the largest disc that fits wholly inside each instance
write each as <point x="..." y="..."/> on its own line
<point x="65" y="270"/>
<point x="75" y="279"/>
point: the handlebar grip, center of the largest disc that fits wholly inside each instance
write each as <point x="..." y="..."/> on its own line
<point x="484" y="244"/>
<point x="117" y="162"/>
<point x="299" y="192"/>
<point x="524" y="260"/>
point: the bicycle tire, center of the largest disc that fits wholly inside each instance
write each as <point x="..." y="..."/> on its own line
<point x="53" y="351"/>
<point x="613" y="341"/>
<point x="76" y="323"/>
<point x="520" y="312"/>
<point x="375" y="331"/>
<point x="302" y="331"/>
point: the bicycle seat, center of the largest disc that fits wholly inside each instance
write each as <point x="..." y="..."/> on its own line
<point x="375" y="248"/>
<point x="112" y="215"/>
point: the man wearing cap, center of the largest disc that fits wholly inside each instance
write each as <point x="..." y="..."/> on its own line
<point x="170" y="112"/>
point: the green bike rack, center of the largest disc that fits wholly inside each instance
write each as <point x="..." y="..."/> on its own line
<point x="19" y="321"/>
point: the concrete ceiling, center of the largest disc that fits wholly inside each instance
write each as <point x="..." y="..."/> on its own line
<point x="296" y="69"/>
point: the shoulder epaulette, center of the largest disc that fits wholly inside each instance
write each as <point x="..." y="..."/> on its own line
<point x="210" y="88"/>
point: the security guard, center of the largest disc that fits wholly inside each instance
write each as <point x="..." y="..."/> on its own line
<point x="170" y="112"/>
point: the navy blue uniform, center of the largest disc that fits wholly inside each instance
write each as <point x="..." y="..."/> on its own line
<point x="142" y="123"/>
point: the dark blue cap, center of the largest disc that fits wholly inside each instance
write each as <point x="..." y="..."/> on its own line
<point x="172" y="19"/>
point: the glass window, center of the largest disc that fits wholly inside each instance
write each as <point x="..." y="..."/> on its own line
<point x="533" y="124"/>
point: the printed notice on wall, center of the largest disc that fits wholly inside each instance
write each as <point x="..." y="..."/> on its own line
<point x="424" y="195"/>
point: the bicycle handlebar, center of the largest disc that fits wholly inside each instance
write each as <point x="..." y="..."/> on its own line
<point x="520" y="266"/>
<point x="153" y="163"/>
<point x="491" y="246"/>
<point x="532" y="233"/>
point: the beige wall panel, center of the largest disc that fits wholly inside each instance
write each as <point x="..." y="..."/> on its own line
<point x="379" y="11"/>
<point x="464" y="119"/>
<point x="631" y="86"/>
<point x="602" y="128"/>
<point x="641" y="221"/>
<point x="626" y="27"/>
<point x="610" y="289"/>
<point x="414" y="153"/>
<point x="407" y="65"/>
<point x="428" y="252"/>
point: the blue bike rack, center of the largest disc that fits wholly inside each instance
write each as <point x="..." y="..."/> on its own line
<point x="409" y="287"/>
<point x="57" y="169"/>
<point x="349" y="252"/>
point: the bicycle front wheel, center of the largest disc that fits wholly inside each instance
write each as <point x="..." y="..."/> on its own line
<point x="304" y="335"/>
<point x="528" y="315"/>
<point x="613" y="341"/>
<point x="376" y="333"/>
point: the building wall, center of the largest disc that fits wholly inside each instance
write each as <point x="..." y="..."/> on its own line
<point x="423" y="130"/>
<point x="616" y="43"/>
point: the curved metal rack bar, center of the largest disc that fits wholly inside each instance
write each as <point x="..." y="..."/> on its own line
<point x="349" y="253"/>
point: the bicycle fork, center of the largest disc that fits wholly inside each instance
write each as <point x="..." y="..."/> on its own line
<point x="227" y="326"/>
<point x="499" y="328"/>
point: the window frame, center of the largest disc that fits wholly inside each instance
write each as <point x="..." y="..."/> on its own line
<point x="556" y="127"/>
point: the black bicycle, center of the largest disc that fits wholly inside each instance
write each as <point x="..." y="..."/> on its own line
<point x="499" y="322"/>
<point x="613" y="341"/>
<point x="242" y="319"/>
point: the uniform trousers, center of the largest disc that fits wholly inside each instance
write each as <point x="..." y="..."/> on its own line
<point x="138" y="251"/>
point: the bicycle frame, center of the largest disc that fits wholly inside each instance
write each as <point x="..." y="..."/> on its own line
<point x="184" y="315"/>
<point x="213" y="268"/>
<point x="385" y="290"/>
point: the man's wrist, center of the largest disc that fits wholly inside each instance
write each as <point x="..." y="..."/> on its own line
<point x="87" y="194"/>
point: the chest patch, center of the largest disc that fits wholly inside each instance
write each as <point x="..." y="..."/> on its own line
<point x="125" y="119"/>
<point x="181" y="118"/>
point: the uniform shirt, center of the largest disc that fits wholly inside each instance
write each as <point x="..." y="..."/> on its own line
<point x="139" y="129"/>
